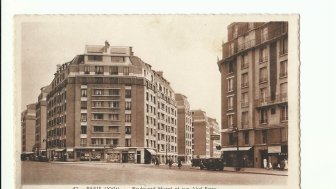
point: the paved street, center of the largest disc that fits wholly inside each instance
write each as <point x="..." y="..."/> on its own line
<point x="37" y="173"/>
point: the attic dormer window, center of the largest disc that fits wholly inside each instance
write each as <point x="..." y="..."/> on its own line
<point x="95" y="58"/>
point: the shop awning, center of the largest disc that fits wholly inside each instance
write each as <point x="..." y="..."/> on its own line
<point x="274" y="149"/>
<point x="151" y="151"/>
<point x="69" y="149"/>
<point x="235" y="149"/>
<point x="59" y="150"/>
<point x="27" y="152"/>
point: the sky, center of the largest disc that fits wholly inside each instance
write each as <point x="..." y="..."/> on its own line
<point x="184" y="47"/>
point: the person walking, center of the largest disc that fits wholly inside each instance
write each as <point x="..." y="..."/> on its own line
<point x="265" y="163"/>
<point x="179" y="164"/>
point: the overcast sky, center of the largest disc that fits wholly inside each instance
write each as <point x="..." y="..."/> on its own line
<point x="185" y="48"/>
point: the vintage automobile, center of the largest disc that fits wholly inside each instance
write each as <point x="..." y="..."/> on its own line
<point x="208" y="163"/>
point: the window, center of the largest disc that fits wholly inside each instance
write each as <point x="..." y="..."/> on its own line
<point x="264" y="34"/>
<point x="245" y="101"/>
<point x="83" y="104"/>
<point x="283" y="46"/>
<point x="244" y="61"/>
<point x="97" y="104"/>
<point x="128" y="118"/>
<point x="114" y="117"/>
<point x="283" y="68"/>
<point x="86" y="70"/>
<point x="97" y="141"/>
<point x="114" y="104"/>
<point x="114" y="92"/>
<point x="98" y="128"/>
<point x="126" y="70"/>
<point x="128" y="93"/>
<point x="231" y="139"/>
<point x="263" y="55"/>
<point x="115" y="141"/>
<point x="245" y="120"/>
<point x="117" y="59"/>
<point x="273" y="110"/>
<point x="263" y="75"/>
<point x="230" y="67"/>
<point x="230" y="120"/>
<point x="83" y="141"/>
<point x="284" y="113"/>
<point x="230" y="103"/>
<point x="84" y="93"/>
<point x="98" y="116"/>
<point x="128" y="105"/>
<point x="263" y="116"/>
<point x="98" y="92"/>
<point x="230" y="84"/>
<point x="114" y="70"/>
<point x="235" y="31"/>
<point x="127" y="130"/>
<point x="95" y="58"/>
<point x="246" y="137"/>
<point x="127" y="142"/>
<point x="263" y="94"/>
<point x="99" y="69"/>
<point x="264" y="136"/>
<point x="283" y="91"/>
<point x="83" y="117"/>
<point x="244" y="80"/>
<point x="232" y="49"/>
<point x="83" y="129"/>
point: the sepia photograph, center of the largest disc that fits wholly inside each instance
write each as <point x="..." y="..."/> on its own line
<point x="178" y="101"/>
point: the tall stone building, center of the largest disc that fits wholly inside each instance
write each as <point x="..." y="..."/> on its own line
<point x="109" y="104"/>
<point x="254" y="93"/>
<point x="28" y="120"/>
<point x="41" y="121"/>
<point x="184" y="128"/>
<point x="201" y="134"/>
<point x="214" y="141"/>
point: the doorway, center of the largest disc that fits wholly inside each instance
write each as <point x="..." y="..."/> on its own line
<point x="124" y="157"/>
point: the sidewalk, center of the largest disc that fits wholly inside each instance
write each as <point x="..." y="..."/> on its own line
<point x="258" y="171"/>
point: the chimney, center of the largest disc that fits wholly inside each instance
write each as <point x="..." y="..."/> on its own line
<point x="58" y="67"/>
<point x="160" y="73"/>
<point x="107" y="45"/>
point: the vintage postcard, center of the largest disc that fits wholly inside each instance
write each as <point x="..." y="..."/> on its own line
<point x="157" y="101"/>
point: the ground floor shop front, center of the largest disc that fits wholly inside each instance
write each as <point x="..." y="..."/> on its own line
<point x="138" y="155"/>
<point x="261" y="156"/>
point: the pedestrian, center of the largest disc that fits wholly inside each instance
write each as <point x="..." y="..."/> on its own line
<point x="170" y="162"/>
<point x="179" y="164"/>
<point x="286" y="165"/>
<point x="265" y="163"/>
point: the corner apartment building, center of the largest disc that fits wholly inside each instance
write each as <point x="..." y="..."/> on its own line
<point x="184" y="128"/>
<point x="214" y="142"/>
<point x="41" y="120"/>
<point x="201" y="134"/>
<point x="28" y="121"/>
<point x="254" y="93"/>
<point x="107" y="104"/>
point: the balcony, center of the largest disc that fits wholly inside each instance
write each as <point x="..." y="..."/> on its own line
<point x="263" y="80"/>
<point x="244" y="85"/>
<point x="244" y="104"/>
<point x="267" y="101"/>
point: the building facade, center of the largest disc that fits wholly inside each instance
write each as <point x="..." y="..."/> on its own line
<point x="184" y="128"/>
<point x="201" y="134"/>
<point x="107" y="104"/>
<point x="254" y="93"/>
<point x="214" y="141"/>
<point x="28" y="121"/>
<point x="41" y="121"/>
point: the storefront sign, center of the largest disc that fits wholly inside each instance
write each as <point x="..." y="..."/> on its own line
<point x="274" y="149"/>
<point x="215" y="137"/>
